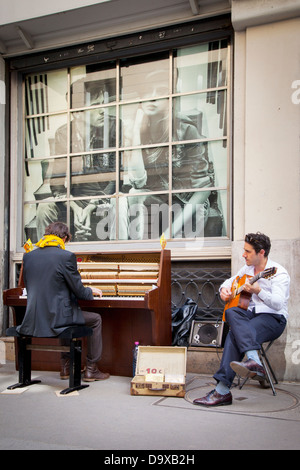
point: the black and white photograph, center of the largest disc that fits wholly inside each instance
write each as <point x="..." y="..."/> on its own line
<point x="130" y="151"/>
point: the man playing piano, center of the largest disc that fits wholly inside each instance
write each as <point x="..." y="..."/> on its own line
<point x="53" y="286"/>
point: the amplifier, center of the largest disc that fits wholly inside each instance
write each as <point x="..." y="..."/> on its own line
<point x="207" y="333"/>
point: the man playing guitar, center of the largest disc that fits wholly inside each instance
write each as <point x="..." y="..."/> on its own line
<point x="262" y="318"/>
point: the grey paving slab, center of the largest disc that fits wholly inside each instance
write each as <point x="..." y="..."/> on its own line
<point x="106" y="417"/>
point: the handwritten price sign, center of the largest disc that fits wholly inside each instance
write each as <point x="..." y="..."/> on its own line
<point x="151" y="370"/>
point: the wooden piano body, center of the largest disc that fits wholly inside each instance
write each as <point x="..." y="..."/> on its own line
<point x="136" y="305"/>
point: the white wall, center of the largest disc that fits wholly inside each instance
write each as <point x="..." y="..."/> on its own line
<point x="267" y="160"/>
<point x="14" y="10"/>
<point x="272" y="196"/>
<point x="266" y="131"/>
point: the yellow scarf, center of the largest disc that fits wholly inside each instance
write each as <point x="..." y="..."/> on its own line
<point x="50" y="240"/>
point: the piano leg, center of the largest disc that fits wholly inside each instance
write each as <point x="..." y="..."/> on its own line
<point x="161" y="331"/>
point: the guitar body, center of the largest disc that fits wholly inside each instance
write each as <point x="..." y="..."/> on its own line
<point x="242" y="299"/>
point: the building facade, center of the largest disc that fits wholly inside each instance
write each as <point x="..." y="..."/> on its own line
<point x="128" y="121"/>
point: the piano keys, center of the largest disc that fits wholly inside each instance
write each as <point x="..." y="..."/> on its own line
<point x="136" y="305"/>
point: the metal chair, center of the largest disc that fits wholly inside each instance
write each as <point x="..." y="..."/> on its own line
<point x="270" y="375"/>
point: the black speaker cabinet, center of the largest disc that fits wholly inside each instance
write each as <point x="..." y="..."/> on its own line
<point x="207" y="333"/>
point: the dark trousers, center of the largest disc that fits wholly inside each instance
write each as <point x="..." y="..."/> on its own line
<point x="94" y="342"/>
<point x="248" y="331"/>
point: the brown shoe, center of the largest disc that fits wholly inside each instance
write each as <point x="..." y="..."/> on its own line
<point x="64" y="368"/>
<point x="214" y="398"/>
<point x="249" y="369"/>
<point x="92" y="373"/>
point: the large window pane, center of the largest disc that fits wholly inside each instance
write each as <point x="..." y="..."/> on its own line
<point x="34" y="175"/>
<point x="199" y="214"/>
<point x="201" y="115"/>
<point x="46" y="178"/>
<point x="36" y="217"/>
<point x="199" y="165"/>
<point x="145" y="123"/>
<point x="92" y="85"/>
<point x="144" y="78"/>
<point x="42" y="142"/>
<point x="200" y="67"/>
<point x="93" y="174"/>
<point x="191" y="167"/>
<point x="46" y="93"/>
<point x="91" y="130"/>
<point x="218" y="154"/>
<point x="147" y="216"/>
<point x="92" y="220"/>
<point x="146" y="169"/>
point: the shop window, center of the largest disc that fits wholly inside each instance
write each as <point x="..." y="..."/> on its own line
<point x="130" y="150"/>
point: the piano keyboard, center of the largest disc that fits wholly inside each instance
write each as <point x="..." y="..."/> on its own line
<point x="106" y="297"/>
<point x="125" y="298"/>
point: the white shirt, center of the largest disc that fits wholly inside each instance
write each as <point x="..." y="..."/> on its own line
<point x="274" y="294"/>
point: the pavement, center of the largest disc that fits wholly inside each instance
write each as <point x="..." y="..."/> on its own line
<point x="106" y="417"/>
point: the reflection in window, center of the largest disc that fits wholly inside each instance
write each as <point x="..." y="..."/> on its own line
<point x="135" y="77"/>
<point x="39" y="144"/>
<point x="89" y="130"/>
<point x="208" y="116"/>
<point x="200" y="67"/>
<point x="191" y="167"/>
<point x="130" y="150"/>
<point x="93" y="174"/>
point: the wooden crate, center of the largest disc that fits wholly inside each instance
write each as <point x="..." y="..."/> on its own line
<point x="160" y="371"/>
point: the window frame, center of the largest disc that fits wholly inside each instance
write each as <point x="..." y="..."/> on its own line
<point x="215" y="247"/>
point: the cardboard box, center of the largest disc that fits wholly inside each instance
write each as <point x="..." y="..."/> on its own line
<point x="160" y="371"/>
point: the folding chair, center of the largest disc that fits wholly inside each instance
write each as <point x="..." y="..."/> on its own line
<point x="270" y="375"/>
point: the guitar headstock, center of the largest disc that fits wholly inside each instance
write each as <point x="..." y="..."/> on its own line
<point x="269" y="272"/>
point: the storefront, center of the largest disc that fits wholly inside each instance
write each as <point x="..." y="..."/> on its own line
<point x="132" y="136"/>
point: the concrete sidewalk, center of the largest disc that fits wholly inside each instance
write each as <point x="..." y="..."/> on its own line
<point x="106" y="417"/>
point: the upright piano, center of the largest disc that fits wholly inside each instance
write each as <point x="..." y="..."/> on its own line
<point x="135" y="306"/>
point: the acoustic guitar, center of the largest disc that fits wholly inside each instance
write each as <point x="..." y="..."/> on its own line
<point x="240" y="298"/>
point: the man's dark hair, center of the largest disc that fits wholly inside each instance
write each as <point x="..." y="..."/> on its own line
<point x="59" y="229"/>
<point x="259" y="241"/>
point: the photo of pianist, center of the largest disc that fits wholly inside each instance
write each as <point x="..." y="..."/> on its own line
<point x="90" y="130"/>
<point x="148" y="168"/>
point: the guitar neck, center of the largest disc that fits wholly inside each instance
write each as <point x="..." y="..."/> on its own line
<point x="252" y="280"/>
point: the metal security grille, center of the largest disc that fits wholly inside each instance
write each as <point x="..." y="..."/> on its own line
<point x="201" y="285"/>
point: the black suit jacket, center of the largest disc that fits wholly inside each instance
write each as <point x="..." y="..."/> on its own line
<point x="53" y="286"/>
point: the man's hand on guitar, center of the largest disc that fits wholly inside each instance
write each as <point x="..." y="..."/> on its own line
<point x="251" y="288"/>
<point x="225" y="294"/>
